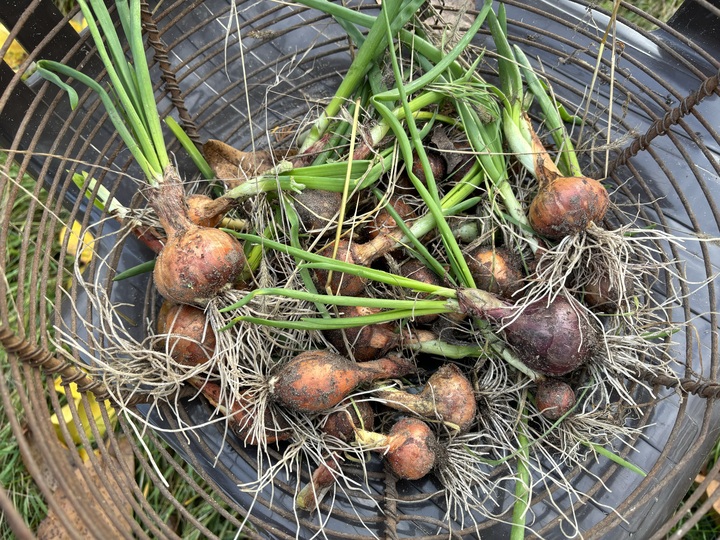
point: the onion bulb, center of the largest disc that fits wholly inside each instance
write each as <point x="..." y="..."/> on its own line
<point x="190" y="340"/>
<point x="497" y="270"/>
<point x="322" y="479"/>
<point x="363" y="343"/>
<point x="564" y="205"/>
<point x="409" y="448"/>
<point x="315" y="381"/>
<point x="448" y="396"/>
<point x="196" y="262"/>
<point x="552" y="339"/>
<point x="342" y="423"/>
<point x="554" y="398"/>
<point x="240" y="416"/>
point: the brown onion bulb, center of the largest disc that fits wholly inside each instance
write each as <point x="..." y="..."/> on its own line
<point x="190" y="339"/>
<point x="564" y="205"/>
<point x="315" y="207"/>
<point x="343" y="423"/>
<point x="197" y="262"/>
<point x="383" y="223"/>
<point x="448" y="396"/>
<point x="600" y="295"/>
<point x="322" y="479"/>
<point x="315" y="381"/>
<point x="438" y="166"/>
<point x="567" y="205"/>
<point x="409" y="448"/>
<point x="414" y="269"/>
<point x="240" y="416"/>
<point x="497" y="270"/>
<point x="365" y="342"/>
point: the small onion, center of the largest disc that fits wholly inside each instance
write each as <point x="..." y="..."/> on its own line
<point x="322" y="479"/>
<point x="240" y="416"/>
<point x="343" y="423"/>
<point x="438" y="166"/>
<point x="363" y="343"/>
<point x="567" y="205"/>
<point x="563" y="205"/>
<point x="554" y="398"/>
<point x="409" y="448"/>
<point x="416" y="270"/>
<point x="316" y="208"/>
<point x="383" y="223"/>
<point x="190" y="339"/>
<point x="497" y="270"/>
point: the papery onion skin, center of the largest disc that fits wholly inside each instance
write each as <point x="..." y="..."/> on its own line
<point x="365" y="342"/>
<point x="567" y="205"/>
<point x="339" y="283"/>
<point x="448" y="396"/>
<point x="497" y="270"/>
<point x="195" y="266"/>
<point x="315" y="208"/>
<point x="196" y="262"/>
<point x="190" y="340"/>
<point x="342" y="423"/>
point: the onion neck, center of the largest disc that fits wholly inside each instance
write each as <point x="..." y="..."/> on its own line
<point x="168" y="201"/>
<point x="479" y="303"/>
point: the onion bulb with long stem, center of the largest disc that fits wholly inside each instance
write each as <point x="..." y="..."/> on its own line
<point x="448" y="396"/>
<point x="315" y="381"/>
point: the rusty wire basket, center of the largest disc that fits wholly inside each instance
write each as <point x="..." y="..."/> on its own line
<point x="664" y="166"/>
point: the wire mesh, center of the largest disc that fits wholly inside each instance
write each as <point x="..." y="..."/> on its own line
<point x="657" y="96"/>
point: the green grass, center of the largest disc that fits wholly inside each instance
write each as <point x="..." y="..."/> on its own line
<point x="13" y="476"/>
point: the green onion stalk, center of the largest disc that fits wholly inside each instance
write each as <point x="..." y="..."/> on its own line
<point x="196" y="262"/>
<point x="549" y="339"/>
<point x="564" y="205"/>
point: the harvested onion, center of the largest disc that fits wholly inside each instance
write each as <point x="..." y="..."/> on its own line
<point x="409" y="448"/>
<point x="315" y="381"/>
<point x="197" y="262"/>
<point x="554" y="398"/>
<point x="448" y="396"/>
<point x="190" y="339"/>
<point x="552" y="338"/>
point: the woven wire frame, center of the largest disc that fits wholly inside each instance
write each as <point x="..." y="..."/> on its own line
<point x="209" y="99"/>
